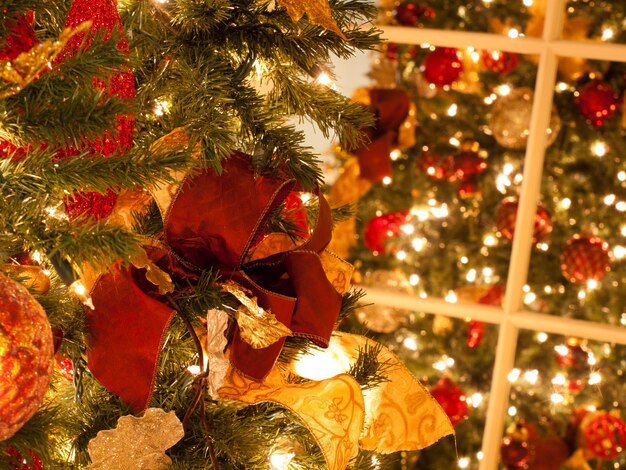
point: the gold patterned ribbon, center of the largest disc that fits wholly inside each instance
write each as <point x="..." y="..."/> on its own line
<point x="395" y="415"/>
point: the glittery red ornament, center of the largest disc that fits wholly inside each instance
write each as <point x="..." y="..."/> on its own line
<point x="573" y="356"/>
<point x="20" y="37"/>
<point x="18" y="462"/>
<point x="605" y="435"/>
<point x="514" y="454"/>
<point x="467" y="164"/>
<point x="436" y="166"/>
<point x="585" y="258"/>
<point x="499" y="61"/>
<point x="451" y="398"/>
<point x="26" y="356"/>
<point x="442" y="66"/>
<point x="475" y="333"/>
<point x="105" y="17"/>
<point x="383" y="227"/>
<point x="65" y="366"/>
<point x="412" y="13"/>
<point x="507" y="212"/>
<point x="468" y="189"/>
<point x="597" y="101"/>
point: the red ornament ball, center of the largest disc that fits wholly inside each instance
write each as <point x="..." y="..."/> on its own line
<point x="505" y="220"/>
<point x="442" y="66"/>
<point x="475" y="333"/>
<point x="573" y="356"/>
<point x="18" y="462"/>
<point x="514" y="453"/>
<point x="585" y="258"/>
<point x="383" y="227"/>
<point x="605" y="435"/>
<point x="466" y="165"/>
<point x="597" y="101"/>
<point x="26" y="356"/>
<point x="436" y="166"/>
<point x="451" y="398"/>
<point x="499" y="61"/>
<point x="411" y="13"/>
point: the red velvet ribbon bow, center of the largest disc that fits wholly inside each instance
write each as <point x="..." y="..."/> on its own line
<point x="391" y="108"/>
<point x="212" y="223"/>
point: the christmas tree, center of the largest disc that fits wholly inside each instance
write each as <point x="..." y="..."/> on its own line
<point x="438" y="190"/>
<point x="166" y="296"/>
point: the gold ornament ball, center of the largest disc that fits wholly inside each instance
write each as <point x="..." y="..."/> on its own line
<point x="378" y="318"/>
<point x="26" y="356"/>
<point x="510" y="119"/>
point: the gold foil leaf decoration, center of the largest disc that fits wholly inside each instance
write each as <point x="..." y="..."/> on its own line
<point x="216" y="324"/>
<point x="154" y="274"/>
<point x="137" y="442"/>
<point x="258" y="327"/>
<point x="27" y="66"/>
<point x="318" y="12"/>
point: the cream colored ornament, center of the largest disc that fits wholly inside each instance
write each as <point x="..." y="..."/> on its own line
<point x="136" y="443"/>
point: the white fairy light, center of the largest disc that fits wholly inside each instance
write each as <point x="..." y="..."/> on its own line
<point x="280" y="460"/>
<point x="414" y="279"/>
<point x="513" y="33"/>
<point x="451" y="297"/>
<point x="621" y="206"/>
<point x="401" y="255"/>
<point x="512" y="411"/>
<point x="476" y="399"/>
<point x="395" y="154"/>
<point x="621" y="176"/>
<point x="542" y="337"/>
<point x="410" y="343"/>
<point x="503" y="90"/>
<point x="619" y="252"/>
<point x="607" y="33"/>
<point x="408" y="228"/>
<point x="452" y="110"/>
<point x="531" y="376"/>
<point x="471" y="275"/>
<point x="194" y="369"/>
<point x="609" y="199"/>
<point x="387" y="180"/>
<point x="592" y="284"/>
<point x="418" y="244"/>
<point x="559" y="379"/>
<point x="599" y="148"/>
<point x="566" y="203"/>
<point x="530" y="298"/>
<point x="507" y="169"/>
<point x="490" y="240"/>
<point x="557" y="398"/>
<point x="465" y="259"/>
<point x="454" y="141"/>
<point x="464" y="462"/>
<point x="594" y="378"/>
<point x="514" y="375"/>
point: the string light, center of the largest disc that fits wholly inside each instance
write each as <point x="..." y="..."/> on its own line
<point x="407" y="228"/>
<point x="594" y="378"/>
<point x="513" y="33"/>
<point x="452" y="110"/>
<point x="559" y="379"/>
<point x="476" y="399"/>
<point x="464" y="461"/>
<point x="471" y="275"/>
<point x="621" y="176"/>
<point x="514" y="375"/>
<point x="607" y="33"/>
<point x="401" y="255"/>
<point x="543" y="246"/>
<point x="387" y="180"/>
<point x="619" y="252"/>
<point x="599" y="148"/>
<point x="410" y="343"/>
<point x="161" y="108"/>
<point x="541" y="336"/>
<point x="194" y="369"/>
<point x="79" y="290"/>
<point x="503" y="90"/>
<point x="609" y="199"/>
<point x="490" y="240"/>
<point x="557" y="398"/>
<point x="512" y="411"/>
<point x="280" y="460"/>
<point x="414" y="279"/>
<point x="561" y="86"/>
<point x="465" y="260"/>
<point x="531" y="376"/>
<point x="395" y="154"/>
<point x="454" y="141"/>
<point x="566" y="203"/>
<point x="451" y="297"/>
<point x="621" y="206"/>
<point x="530" y="298"/>
<point x="418" y="244"/>
<point x="592" y="284"/>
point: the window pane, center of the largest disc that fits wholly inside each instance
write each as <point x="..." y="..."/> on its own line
<point x="579" y="270"/>
<point x="562" y="390"/>
<point x="445" y="214"/>
<point x="595" y="21"/>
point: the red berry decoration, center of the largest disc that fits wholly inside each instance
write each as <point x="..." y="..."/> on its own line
<point x="597" y="101"/>
<point x="499" y="61"/>
<point x="410" y="13"/>
<point x="451" y="398"/>
<point x="26" y="356"/>
<point x="605" y="435"/>
<point x="514" y="453"/>
<point x="436" y="166"/>
<point x="585" y="258"/>
<point x="505" y="220"/>
<point x="442" y="66"/>
<point x="383" y="227"/>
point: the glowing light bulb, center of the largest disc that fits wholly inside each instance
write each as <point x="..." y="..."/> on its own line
<point x="408" y="228"/>
<point x="451" y="297"/>
<point x="599" y="148"/>
<point x="490" y="240"/>
<point x="557" y="398"/>
<point x="480" y="455"/>
<point x="401" y="255"/>
<point x="607" y="33"/>
<point x="476" y="399"/>
<point x="161" y="107"/>
<point x="414" y="279"/>
<point x="465" y="259"/>
<point x="487" y="272"/>
<point x="559" y="379"/>
<point x="609" y="199"/>
<point x="621" y="176"/>
<point x="530" y="298"/>
<point x="592" y="284"/>
<point x="621" y="206"/>
<point x="452" y="110"/>
<point x="528" y="3"/>
<point x="79" y="290"/>
<point x="542" y="337"/>
<point x="562" y="86"/>
<point x="418" y="244"/>
<point x="410" y="343"/>
<point x="387" y="180"/>
<point x="566" y="203"/>
<point x="471" y="275"/>
<point x="594" y="378"/>
<point x="561" y="350"/>
<point x="280" y="460"/>
<point x="619" y="252"/>
<point x="507" y="169"/>
<point x="454" y="141"/>
<point x="512" y="411"/>
<point x="464" y="461"/>
<point x="531" y="376"/>
<point x="194" y="369"/>
<point x="513" y="33"/>
<point x="514" y="375"/>
<point x="503" y="90"/>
